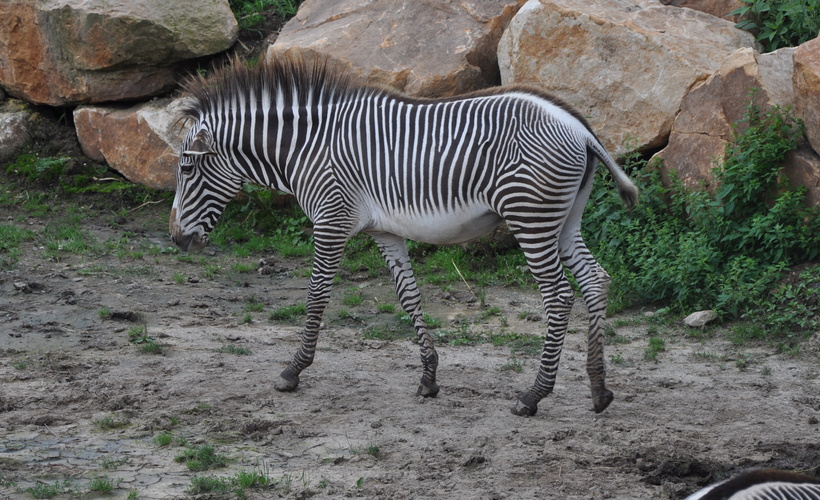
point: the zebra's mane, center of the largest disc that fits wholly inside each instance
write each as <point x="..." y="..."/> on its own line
<point x="286" y="75"/>
<point x="292" y="74"/>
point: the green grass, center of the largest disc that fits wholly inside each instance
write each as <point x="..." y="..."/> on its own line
<point x="513" y="365"/>
<point x="110" y="423"/>
<point x="254" y="306"/>
<point x="163" y="439"/>
<point x="243" y="267"/>
<point x="353" y="297"/>
<point x="249" y="13"/>
<point x="102" y="485"/>
<point x="387" y="332"/>
<point x="288" y="313"/>
<point x="656" y="346"/>
<point x="201" y="458"/>
<point x="219" y="487"/>
<point x="45" y="490"/>
<point x="11" y="238"/>
<point x="386" y="308"/>
<point x="232" y="349"/>
<point x="138" y="335"/>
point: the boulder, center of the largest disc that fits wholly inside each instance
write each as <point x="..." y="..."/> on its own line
<point x="717" y="8"/>
<point x="802" y="168"/>
<point x="67" y="52"/>
<point x="624" y="64"/>
<point x="807" y="89"/>
<point x="401" y="43"/>
<point x="141" y="142"/>
<point x="703" y="126"/>
<point x="15" y="119"/>
<point x="707" y="114"/>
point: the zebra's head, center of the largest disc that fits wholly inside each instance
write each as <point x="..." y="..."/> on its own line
<point x="205" y="184"/>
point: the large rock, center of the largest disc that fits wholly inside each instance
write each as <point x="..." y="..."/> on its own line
<point x="807" y="89"/>
<point x="718" y="8"/>
<point x="704" y="125"/>
<point x="625" y="65"/>
<point x="67" y="52"/>
<point x="141" y="142"/>
<point x="15" y="121"/>
<point x="437" y="48"/>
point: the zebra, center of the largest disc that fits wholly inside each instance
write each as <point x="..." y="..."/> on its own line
<point x="362" y="158"/>
<point x="763" y="484"/>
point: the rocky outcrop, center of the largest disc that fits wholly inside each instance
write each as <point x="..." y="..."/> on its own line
<point x="141" y="142"/>
<point x="625" y="65"/>
<point x="422" y="48"/>
<point x="807" y="89"/>
<point x="67" y="52"/>
<point x="717" y="8"/>
<point x="671" y="74"/>
<point x="704" y="125"/>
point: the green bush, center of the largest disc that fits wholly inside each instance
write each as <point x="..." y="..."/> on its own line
<point x="696" y="250"/>
<point x="249" y="13"/>
<point x="780" y="23"/>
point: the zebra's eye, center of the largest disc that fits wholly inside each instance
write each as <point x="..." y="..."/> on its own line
<point x="186" y="164"/>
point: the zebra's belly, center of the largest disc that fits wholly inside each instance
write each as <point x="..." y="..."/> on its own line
<point x="446" y="228"/>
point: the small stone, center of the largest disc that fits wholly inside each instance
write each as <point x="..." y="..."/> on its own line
<point x="700" y="318"/>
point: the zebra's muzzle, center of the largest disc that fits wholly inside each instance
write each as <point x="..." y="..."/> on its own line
<point x="189" y="242"/>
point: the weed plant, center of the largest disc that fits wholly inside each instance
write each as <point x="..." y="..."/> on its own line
<point x="236" y="350"/>
<point x="656" y="346"/>
<point x="255" y="222"/>
<point x="110" y="423"/>
<point x="288" y="313"/>
<point x="692" y="249"/>
<point x="103" y="485"/>
<point x="249" y="13"/>
<point x="11" y="237"/>
<point x="44" y="490"/>
<point x="779" y="23"/>
<point x="201" y="458"/>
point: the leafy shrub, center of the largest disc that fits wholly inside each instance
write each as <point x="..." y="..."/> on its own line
<point x="780" y="23"/>
<point x="695" y="250"/>
<point x="249" y="12"/>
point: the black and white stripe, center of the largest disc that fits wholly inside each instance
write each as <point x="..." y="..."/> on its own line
<point x="443" y="171"/>
<point x="763" y="484"/>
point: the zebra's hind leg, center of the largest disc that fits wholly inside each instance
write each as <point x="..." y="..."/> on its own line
<point x="594" y="284"/>
<point x="329" y="246"/>
<point x="394" y="251"/>
<point x="541" y="251"/>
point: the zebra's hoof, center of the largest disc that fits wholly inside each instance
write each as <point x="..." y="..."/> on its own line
<point x="523" y="410"/>
<point x="287" y="385"/>
<point x="602" y="400"/>
<point x="427" y="391"/>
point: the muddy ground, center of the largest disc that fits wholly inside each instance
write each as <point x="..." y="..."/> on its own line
<point x="79" y="401"/>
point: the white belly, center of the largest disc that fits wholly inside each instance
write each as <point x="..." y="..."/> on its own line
<point x="450" y="228"/>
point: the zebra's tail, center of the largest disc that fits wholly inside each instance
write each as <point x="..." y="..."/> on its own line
<point x="626" y="188"/>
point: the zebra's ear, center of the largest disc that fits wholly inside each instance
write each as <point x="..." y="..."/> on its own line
<point x="201" y="145"/>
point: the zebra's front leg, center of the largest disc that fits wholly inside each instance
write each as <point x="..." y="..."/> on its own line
<point x="329" y="246"/>
<point x="394" y="251"/>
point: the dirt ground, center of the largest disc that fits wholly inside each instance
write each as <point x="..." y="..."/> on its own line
<point x="705" y="409"/>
